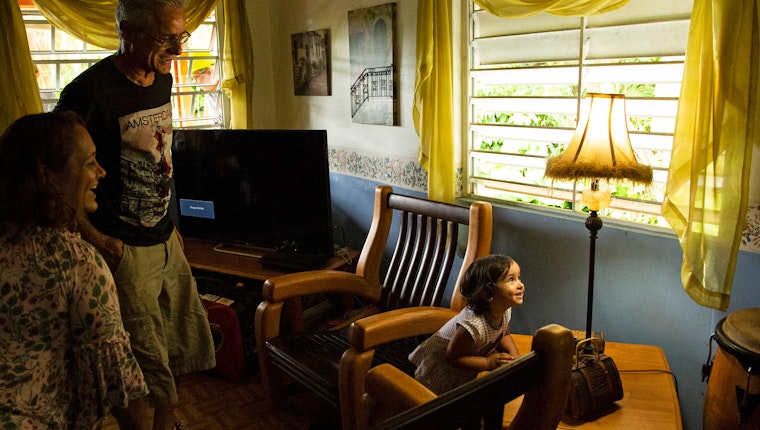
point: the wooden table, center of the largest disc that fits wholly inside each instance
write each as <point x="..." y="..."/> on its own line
<point x="201" y="255"/>
<point x="650" y="400"/>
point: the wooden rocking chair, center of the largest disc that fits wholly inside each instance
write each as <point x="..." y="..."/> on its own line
<point x="419" y="270"/>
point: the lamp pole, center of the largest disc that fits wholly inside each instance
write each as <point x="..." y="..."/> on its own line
<point x="593" y="224"/>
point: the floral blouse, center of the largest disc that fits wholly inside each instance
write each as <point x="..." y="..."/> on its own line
<point x="65" y="358"/>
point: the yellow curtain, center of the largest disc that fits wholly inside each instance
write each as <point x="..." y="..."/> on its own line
<point x="237" y="60"/>
<point x="433" y="112"/>
<point x="18" y="83"/>
<point x="708" y="186"/>
<point x="433" y="97"/>
<point x="94" y="21"/>
<point x="526" y="8"/>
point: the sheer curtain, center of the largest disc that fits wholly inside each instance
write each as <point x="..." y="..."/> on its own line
<point x="526" y="8"/>
<point x="433" y="99"/>
<point x="433" y="110"/>
<point x="237" y="63"/>
<point x="93" y="22"/>
<point x="18" y="82"/>
<point x="716" y="127"/>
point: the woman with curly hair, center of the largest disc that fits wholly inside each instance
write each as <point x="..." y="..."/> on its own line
<point x="65" y="358"/>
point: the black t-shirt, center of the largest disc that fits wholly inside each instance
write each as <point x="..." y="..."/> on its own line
<point x="132" y="130"/>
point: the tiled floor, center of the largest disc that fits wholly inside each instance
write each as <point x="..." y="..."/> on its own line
<point x="209" y="402"/>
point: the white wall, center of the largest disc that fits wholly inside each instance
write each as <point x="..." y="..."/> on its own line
<point x="264" y="111"/>
<point x="276" y="106"/>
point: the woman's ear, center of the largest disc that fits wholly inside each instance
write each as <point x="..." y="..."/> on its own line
<point x="48" y="176"/>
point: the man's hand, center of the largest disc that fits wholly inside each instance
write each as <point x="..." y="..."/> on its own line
<point x="111" y="248"/>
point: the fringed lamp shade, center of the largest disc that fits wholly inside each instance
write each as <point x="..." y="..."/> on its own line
<point x="600" y="148"/>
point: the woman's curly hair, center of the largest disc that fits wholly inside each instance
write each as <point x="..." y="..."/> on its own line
<point x="27" y="198"/>
<point x="480" y="280"/>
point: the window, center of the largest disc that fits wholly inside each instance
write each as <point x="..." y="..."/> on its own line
<point x="196" y="95"/>
<point x="526" y="80"/>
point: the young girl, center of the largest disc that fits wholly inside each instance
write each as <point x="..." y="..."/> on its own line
<point x="478" y="337"/>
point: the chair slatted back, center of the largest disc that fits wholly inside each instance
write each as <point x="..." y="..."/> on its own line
<point x="424" y="252"/>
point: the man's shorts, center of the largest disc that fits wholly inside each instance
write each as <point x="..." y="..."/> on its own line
<point x="168" y="327"/>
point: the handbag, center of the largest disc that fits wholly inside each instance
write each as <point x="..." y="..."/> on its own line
<point x="594" y="383"/>
<point x="579" y="335"/>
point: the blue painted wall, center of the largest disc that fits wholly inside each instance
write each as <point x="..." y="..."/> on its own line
<point x="638" y="295"/>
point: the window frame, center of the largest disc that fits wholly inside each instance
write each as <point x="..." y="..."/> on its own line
<point x="470" y="125"/>
<point x="187" y="90"/>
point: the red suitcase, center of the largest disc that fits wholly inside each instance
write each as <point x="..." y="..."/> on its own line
<point x="228" y="340"/>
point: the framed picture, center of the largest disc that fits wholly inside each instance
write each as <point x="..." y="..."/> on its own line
<point x="311" y="63"/>
<point x="371" y="38"/>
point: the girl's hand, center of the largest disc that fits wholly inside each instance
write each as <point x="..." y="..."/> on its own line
<point x="496" y="359"/>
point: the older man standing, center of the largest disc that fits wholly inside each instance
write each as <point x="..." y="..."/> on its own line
<point x="125" y="100"/>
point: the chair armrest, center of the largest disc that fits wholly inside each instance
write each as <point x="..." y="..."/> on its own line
<point x="393" y="389"/>
<point x="292" y="285"/>
<point x="389" y="392"/>
<point x="384" y="327"/>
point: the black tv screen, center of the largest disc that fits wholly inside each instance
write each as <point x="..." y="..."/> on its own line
<point x="260" y="188"/>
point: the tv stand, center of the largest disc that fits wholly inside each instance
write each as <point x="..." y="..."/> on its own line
<point x="202" y="256"/>
<point x="240" y="270"/>
<point x="242" y="249"/>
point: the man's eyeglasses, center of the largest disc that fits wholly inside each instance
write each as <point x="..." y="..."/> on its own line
<point x="171" y="40"/>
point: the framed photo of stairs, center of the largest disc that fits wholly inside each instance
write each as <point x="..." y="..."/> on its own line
<point x="372" y="45"/>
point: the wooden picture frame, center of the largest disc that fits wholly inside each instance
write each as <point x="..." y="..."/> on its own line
<point x="311" y="63"/>
<point x="372" y="45"/>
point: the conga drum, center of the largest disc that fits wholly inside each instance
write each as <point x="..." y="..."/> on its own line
<point x="732" y="400"/>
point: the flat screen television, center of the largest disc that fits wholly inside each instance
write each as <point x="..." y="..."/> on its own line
<point x="254" y="191"/>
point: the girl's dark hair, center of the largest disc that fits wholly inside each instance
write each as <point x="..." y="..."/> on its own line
<point x="480" y="278"/>
<point x="27" y="198"/>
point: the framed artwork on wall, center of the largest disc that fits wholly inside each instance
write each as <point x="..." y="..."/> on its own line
<point x="372" y="41"/>
<point x="311" y="63"/>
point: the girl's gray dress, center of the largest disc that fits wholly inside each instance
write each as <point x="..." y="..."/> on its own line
<point x="430" y="356"/>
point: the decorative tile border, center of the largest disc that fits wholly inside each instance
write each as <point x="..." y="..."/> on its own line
<point x="392" y="171"/>
<point x="751" y="233"/>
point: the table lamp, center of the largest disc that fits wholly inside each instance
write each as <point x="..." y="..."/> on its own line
<point x="599" y="150"/>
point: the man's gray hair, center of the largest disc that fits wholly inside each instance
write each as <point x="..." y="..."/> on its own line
<point x="141" y="14"/>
